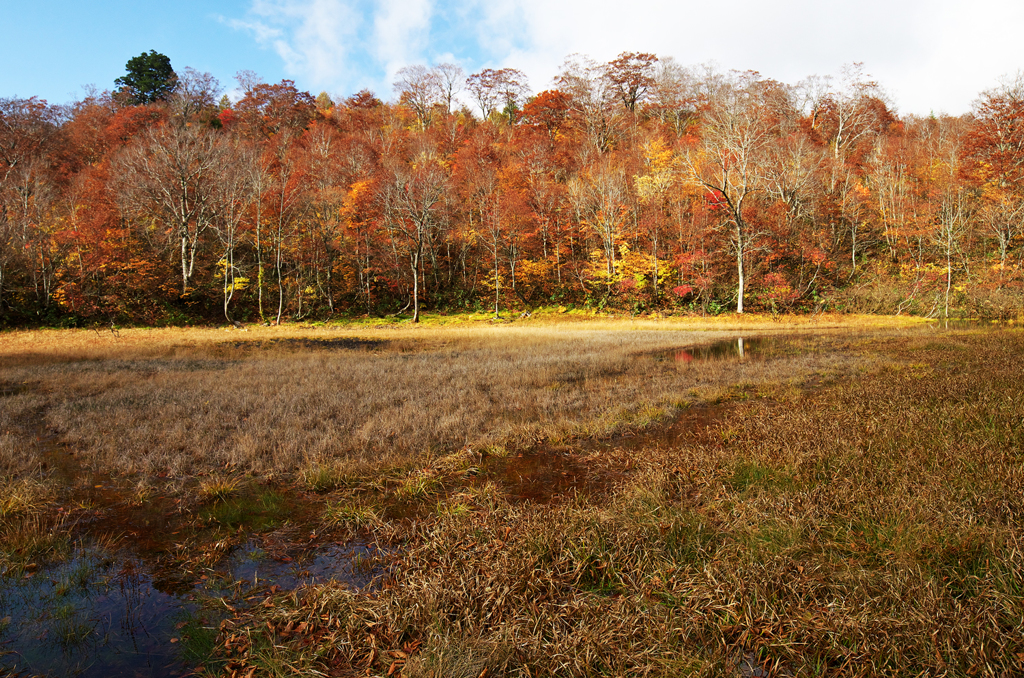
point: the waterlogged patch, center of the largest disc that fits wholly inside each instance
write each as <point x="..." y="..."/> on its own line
<point x="737" y="350"/>
<point x="356" y="563"/>
<point x="144" y="607"/>
<point x="8" y="389"/>
<point x="545" y="476"/>
<point x="969" y="324"/>
<point x="110" y="613"/>
<point x="257" y="510"/>
<point x="98" y="614"/>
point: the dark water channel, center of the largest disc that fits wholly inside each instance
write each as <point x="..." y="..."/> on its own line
<point x="132" y="600"/>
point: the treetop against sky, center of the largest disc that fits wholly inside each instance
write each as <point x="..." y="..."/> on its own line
<point x="931" y="56"/>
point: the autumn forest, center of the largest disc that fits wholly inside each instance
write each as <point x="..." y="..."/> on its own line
<point x="563" y="468"/>
<point x="638" y="184"/>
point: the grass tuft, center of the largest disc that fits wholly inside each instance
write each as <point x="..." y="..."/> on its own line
<point x="218" y="488"/>
<point x="331" y="475"/>
<point x="21" y="497"/>
<point x="352" y="516"/>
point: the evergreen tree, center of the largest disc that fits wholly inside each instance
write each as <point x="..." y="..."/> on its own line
<point x="149" y="78"/>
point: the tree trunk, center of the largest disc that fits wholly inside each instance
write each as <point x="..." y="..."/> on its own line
<point x="740" y="273"/>
<point x="184" y="265"/>
<point x="414" y="260"/>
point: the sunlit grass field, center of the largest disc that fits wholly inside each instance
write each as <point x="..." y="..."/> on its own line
<point x="849" y="502"/>
<point x="273" y="400"/>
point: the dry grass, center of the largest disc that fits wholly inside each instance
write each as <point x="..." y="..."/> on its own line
<point x="218" y="487"/>
<point x="280" y="399"/>
<point x="856" y="510"/>
<point x="30" y="532"/>
<point x="22" y="496"/>
<point x="872" y="527"/>
<point x="19" y="449"/>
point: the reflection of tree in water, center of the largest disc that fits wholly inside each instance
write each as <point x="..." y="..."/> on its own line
<point x="134" y="591"/>
<point x="724" y="350"/>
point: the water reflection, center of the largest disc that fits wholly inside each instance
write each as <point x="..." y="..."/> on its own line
<point x="969" y="324"/>
<point x="355" y="563"/>
<point x="102" y="613"/>
<point x="739" y="348"/>
<point x="97" y="614"/>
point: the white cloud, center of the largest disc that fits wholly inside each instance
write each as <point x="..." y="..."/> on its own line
<point x="783" y="40"/>
<point x="314" y="38"/>
<point x="930" y="55"/>
<point x="341" y="44"/>
<point x="401" y="32"/>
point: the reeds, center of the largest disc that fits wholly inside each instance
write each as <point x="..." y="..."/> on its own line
<point x="180" y="404"/>
<point x="855" y="510"/>
<point x="30" y="530"/>
<point x="871" y="527"/>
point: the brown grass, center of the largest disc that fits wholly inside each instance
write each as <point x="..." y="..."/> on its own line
<point x="871" y="527"/>
<point x="855" y="510"/>
<point x="30" y="531"/>
<point x="275" y="400"/>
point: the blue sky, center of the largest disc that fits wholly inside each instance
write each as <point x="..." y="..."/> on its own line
<point x="929" y="56"/>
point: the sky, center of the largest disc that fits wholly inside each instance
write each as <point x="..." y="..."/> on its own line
<point x="932" y="56"/>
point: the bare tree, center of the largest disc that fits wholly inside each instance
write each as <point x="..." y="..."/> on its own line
<point x="994" y="156"/>
<point x="286" y="203"/>
<point x="592" y="98"/>
<point x="410" y="197"/>
<point x="598" y="197"/>
<point x="845" y="115"/>
<point x="452" y="78"/>
<point x="420" y="88"/>
<point x="956" y="206"/>
<point x="736" y="133"/>
<point x="194" y="93"/>
<point x="28" y="128"/>
<point x="326" y="195"/>
<point x="234" y="194"/>
<point x="672" y="97"/>
<point x="168" y="177"/>
<point x="890" y="178"/>
<point x="504" y="90"/>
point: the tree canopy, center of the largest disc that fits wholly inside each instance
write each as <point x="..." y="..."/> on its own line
<point x="149" y="78"/>
<point x="639" y="184"/>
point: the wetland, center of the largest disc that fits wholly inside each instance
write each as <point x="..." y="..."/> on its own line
<point x="602" y="498"/>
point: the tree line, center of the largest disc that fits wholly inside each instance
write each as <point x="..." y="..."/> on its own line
<point x="637" y="184"/>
